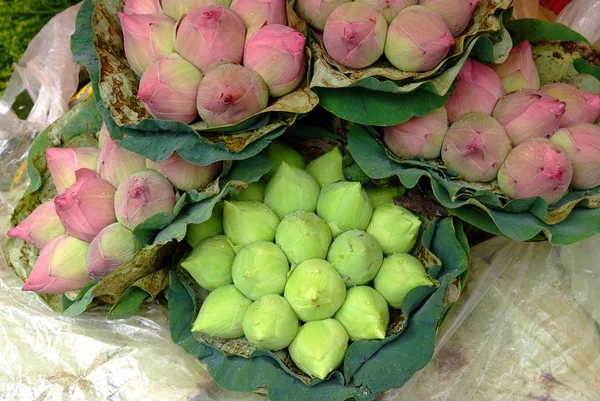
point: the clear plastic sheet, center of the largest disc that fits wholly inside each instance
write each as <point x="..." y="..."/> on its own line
<point x="583" y="16"/>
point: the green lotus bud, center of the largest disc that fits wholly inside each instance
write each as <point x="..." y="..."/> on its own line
<point x="315" y="290"/>
<point x="254" y="192"/>
<point x="290" y="190"/>
<point x="279" y="152"/>
<point x="365" y="314"/>
<point x="270" y="323"/>
<point x="210" y="263"/>
<point x="356" y="256"/>
<point x="399" y="274"/>
<point x="249" y="221"/>
<point x="260" y="268"/>
<point x="196" y="233"/>
<point x="345" y="206"/>
<point x="222" y="313"/>
<point x="303" y="236"/>
<point x="381" y="195"/>
<point x="327" y="168"/>
<point x="395" y="228"/>
<point x="319" y="347"/>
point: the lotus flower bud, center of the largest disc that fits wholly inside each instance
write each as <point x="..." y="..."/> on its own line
<point x="64" y="162"/>
<point x="356" y="256"/>
<point x="270" y="323"/>
<point x="389" y="8"/>
<point x="303" y="236"/>
<point x="141" y="196"/>
<point x="112" y="247"/>
<point x="146" y="38"/>
<point x="279" y="152"/>
<point x="327" y="169"/>
<point x="210" y="263"/>
<point x="291" y="190"/>
<point x="103" y="136"/>
<point x="87" y="206"/>
<point x="395" y="228"/>
<point x="115" y="163"/>
<point x="222" y="313"/>
<point x="536" y="168"/>
<point x="344" y="206"/>
<point x="276" y="53"/>
<point x="257" y="13"/>
<point x="315" y="12"/>
<point x="519" y="70"/>
<point x="581" y="142"/>
<point x="399" y="274"/>
<point x="60" y="267"/>
<point x="247" y="222"/>
<point x="176" y="8"/>
<point x="419" y="136"/>
<point x="150" y="165"/>
<point x="475" y="147"/>
<point x="527" y="114"/>
<point x="230" y="93"/>
<point x="456" y="14"/>
<point x="188" y="176"/>
<point x="477" y="91"/>
<point x="168" y="89"/>
<point x="210" y="34"/>
<point x="315" y="290"/>
<point x="364" y="314"/>
<point x="582" y="106"/>
<point x="319" y="347"/>
<point x="354" y="35"/>
<point x="417" y="40"/>
<point x="196" y="233"/>
<point x="260" y="268"/>
<point x="139" y="7"/>
<point x="381" y="195"/>
<point x="40" y="227"/>
<point x="254" y="192"/>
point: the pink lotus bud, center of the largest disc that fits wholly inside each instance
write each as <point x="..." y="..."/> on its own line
<point x="60" y="267"/>
<point x="527" y="114"/>
<point x="419" y="136"/>
<point x="276" y="53"/>
<point x="354" y="35"/>
<point x="210" y="34"/>
<point x="475" y="147"/>
<point x="519" y="70"/>
<point x="229" y="93"/>
<point x="146" y="38"/>
<point x="150" y="165"/>
<point x="176" y="8"/>
<point x="112" y="247"/>
<point x="168" y="89"/>
<point x="315" y="12"/>
<point x="536" y="167"/>
<point x="187" y="176"/>
<point x="417" y="40"/>
<point x="389" y="8"/>
<point x="115" y="163"/>
<point x="456" y="13"/>
<point x="140" y="7"/>
<point x="63" y="162"/>
<point x="103" y="136"/>
<point x="143" y="195"/>
<point x="477" y="91"/>
<point x="40" y="227"/>
<point x="582" y="106"/>
<point x="581" y="143"/>
<point x="257" y="13"/>
<point x="87" y="206"/>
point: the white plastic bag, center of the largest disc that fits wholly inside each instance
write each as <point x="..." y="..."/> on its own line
<point x="583" y="16"/>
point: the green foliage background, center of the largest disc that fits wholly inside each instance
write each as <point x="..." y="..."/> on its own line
<point x="20" y="21"/>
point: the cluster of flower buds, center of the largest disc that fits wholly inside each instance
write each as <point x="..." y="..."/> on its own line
<point x="103" y="195"/>
<point x="500" y="122"/>
<point x="293" y="263"/>
<point x="199" y="57"/>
